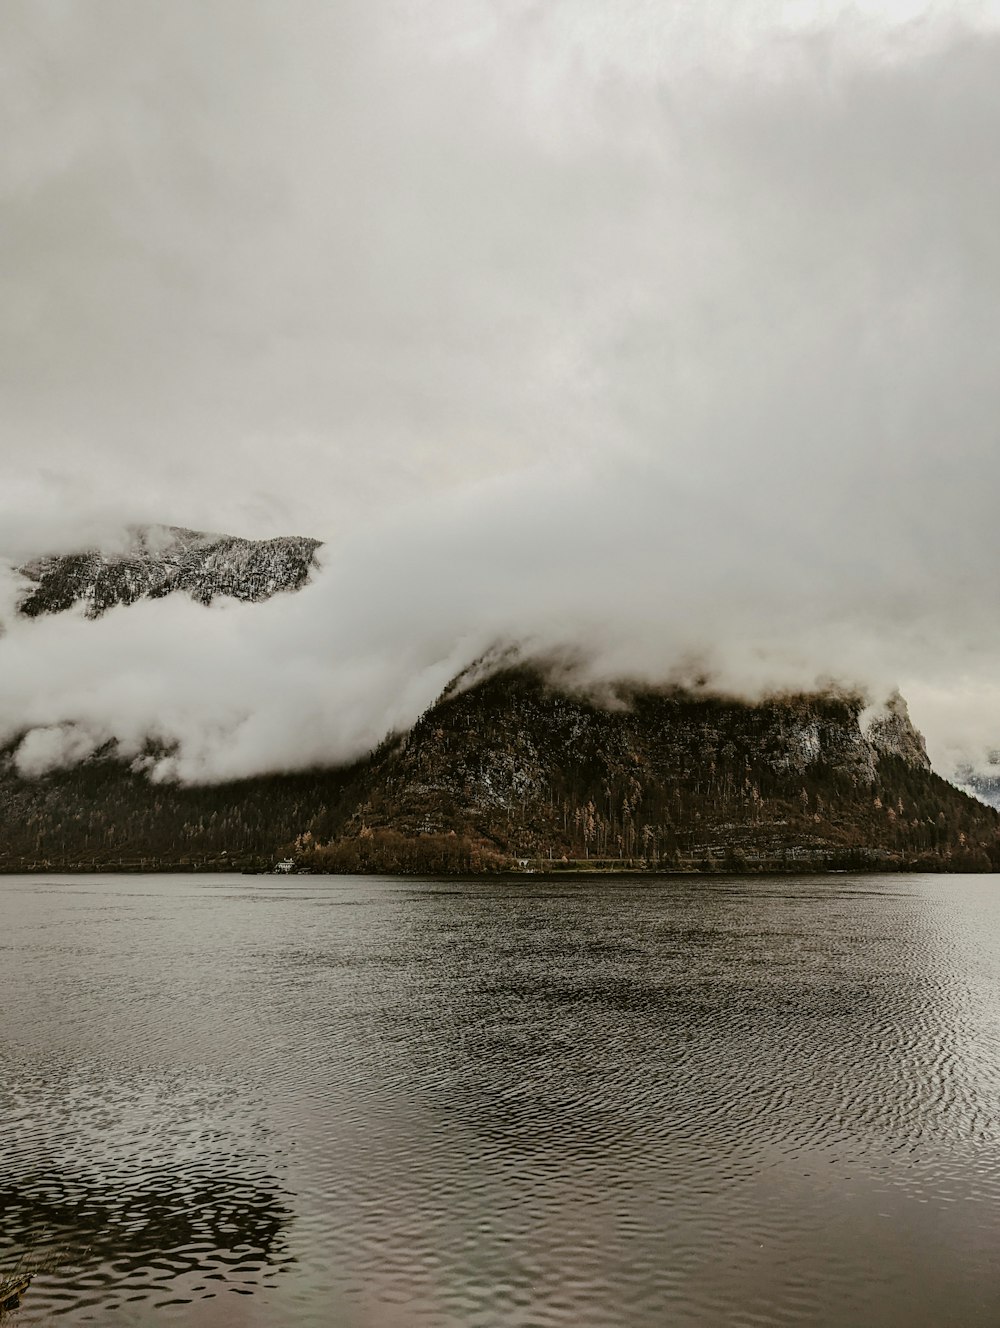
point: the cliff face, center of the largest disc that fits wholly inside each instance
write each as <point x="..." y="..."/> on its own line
<point x="159" y="560"/>
<point x="890" y="732"/>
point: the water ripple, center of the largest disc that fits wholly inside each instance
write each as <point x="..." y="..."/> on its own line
<point x="364" y="1102"/>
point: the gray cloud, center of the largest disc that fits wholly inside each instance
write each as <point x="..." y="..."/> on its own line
<point x="670" y="339"/>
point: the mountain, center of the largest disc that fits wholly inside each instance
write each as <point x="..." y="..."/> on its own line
<point x="981" y="783"/>
<point x="517" y="766"/>
<point x="512" y="767"/>
<point x="157" y="560"/>
<point x="511" y="764"/>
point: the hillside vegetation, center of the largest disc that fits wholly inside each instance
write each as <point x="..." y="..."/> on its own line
<point x="514" y="771"/>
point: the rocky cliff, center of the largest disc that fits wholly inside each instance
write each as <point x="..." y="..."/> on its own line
<point x="157" y="560"/>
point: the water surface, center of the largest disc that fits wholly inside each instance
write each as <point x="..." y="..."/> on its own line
<point x="247" y="1101"/>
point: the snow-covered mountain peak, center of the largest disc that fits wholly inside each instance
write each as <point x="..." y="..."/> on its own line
<point x="153" y="561"/>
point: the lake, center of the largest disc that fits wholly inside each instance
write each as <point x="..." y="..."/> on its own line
<point x="248" y="1101"/>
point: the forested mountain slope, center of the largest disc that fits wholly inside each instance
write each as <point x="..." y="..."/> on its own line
<point x="514" y="768"/>
<point x="100" y="814"/>
<point x="667" y="777"/>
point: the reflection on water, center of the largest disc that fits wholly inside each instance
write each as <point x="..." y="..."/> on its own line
<point x="374" y="1102"/>
<point x="131" y="1189"/>
<point x="163" y="1235"/>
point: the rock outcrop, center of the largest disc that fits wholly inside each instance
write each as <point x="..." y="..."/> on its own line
<point x="159" y="560"/>
<point x="890" y="732"/>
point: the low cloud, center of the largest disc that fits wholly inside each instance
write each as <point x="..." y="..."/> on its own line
<point x="43" y="750"/>
<point x="634" y="574"/>
<point x="608" y="346"/>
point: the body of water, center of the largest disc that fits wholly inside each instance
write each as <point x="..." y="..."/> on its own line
<point x="248" y="1101"/>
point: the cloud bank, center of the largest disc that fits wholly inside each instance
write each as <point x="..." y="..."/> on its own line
<point x="668" y="341"/>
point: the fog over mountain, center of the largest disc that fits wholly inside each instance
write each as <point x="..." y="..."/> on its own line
<point x="666" y="342"/>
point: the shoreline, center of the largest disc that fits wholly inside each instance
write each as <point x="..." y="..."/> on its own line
<point x="549" y="872"/>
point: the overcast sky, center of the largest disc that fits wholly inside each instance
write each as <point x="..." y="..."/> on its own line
<point x="664" y="329"/>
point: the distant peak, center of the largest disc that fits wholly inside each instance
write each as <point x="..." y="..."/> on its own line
<point x="151" y="561"/>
